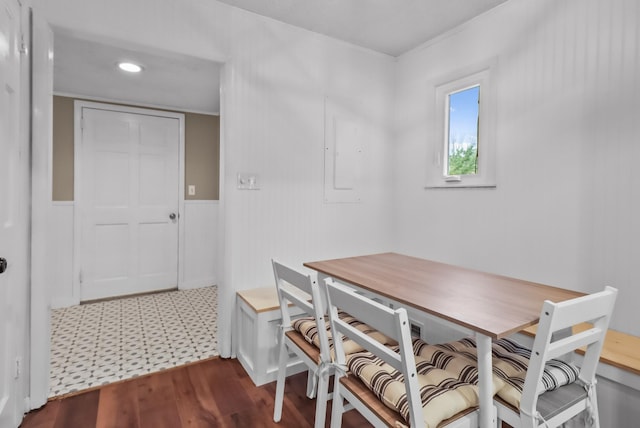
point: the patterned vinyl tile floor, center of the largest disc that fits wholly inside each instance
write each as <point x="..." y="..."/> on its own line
<point x="100" y="343"/>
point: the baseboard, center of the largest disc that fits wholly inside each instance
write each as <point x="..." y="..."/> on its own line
<point x="197" y="283"/>
<point x="63" y="302"/>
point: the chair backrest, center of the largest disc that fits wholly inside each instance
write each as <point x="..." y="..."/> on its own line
<point x="301" y="291"/>
<point x="555" y="338"/>
<point x="393" y="323"/>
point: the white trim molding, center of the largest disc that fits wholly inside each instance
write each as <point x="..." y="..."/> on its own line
<point x="477" y="75"/>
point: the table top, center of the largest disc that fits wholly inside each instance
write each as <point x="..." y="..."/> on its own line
<point x="494" y="305"/>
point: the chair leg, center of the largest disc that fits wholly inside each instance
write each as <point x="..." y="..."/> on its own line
<point x="312" y="384"/>
<point x="337" y="404"/>
<point x="594" y="408"/>
<point x="321" y="401"/>
<point x="282" y="375"/>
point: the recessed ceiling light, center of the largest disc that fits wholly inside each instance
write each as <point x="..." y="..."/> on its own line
<point x="130" y="67"/>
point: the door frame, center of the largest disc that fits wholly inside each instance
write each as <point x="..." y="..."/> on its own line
<point x="42" y="182"/>
<point x="77" y="180"/>
<point x="41" y="41"/>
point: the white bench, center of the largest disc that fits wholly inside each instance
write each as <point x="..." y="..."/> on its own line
<point x="258" y="319"/>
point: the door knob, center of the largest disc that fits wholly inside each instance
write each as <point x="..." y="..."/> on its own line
<point x="3" y="264"/>
<point x="172" y="216"/>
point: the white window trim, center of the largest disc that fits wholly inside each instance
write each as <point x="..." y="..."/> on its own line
<point x="438" y="144"/>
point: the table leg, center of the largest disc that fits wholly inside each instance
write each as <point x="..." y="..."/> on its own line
<point x="485" y="382"/>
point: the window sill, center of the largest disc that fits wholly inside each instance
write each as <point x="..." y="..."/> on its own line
<point x="460" y="185"/>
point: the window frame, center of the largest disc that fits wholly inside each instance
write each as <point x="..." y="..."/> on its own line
<point x="438" y="145"/>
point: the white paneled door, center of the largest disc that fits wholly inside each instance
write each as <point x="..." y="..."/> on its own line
<point x="9" y="203"/>
<point x="128" y="203"/>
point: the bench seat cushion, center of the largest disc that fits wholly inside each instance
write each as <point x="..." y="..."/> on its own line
<point x="307" y="327"/>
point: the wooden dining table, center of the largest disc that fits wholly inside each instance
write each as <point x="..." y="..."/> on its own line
<point x="493" y="306"/>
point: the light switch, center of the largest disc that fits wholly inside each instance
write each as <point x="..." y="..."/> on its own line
<point x="248" y="181"/>
<point x="192" y="190"/>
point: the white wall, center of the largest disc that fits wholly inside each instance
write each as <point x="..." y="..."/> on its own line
<point x="60" y="255"/>
<point x="275" y="81"/>
<point x="566" y="211"/>
<point x="200" y="244"/>
<point x="279" y="77"/>
<point x="41" y="157"/>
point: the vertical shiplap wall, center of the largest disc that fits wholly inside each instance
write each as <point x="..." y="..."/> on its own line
<point x="279" y="77"/>
<point x="567" y="207"/>
<point x="59" y="248"/>
<point x="200" y="244"/>
<point x="612" y="182"/>
<point x="275" y="82"/>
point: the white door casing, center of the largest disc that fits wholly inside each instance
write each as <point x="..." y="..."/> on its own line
<point x="41" y="159"/>
<point x="128" y="186"/>
<point x="10" y="187"/>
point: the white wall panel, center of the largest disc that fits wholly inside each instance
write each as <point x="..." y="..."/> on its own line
<point x="200" y="244"/>
<point x="567" y="207"/>
<point x="279" y="77"/>
<point x="41" y="158"/>
<point x="60" y="255"/>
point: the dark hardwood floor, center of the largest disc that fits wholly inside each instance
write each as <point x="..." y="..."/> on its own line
<point x="212" y="393"/>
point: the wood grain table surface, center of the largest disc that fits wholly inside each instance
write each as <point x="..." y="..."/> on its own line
<point x="494" y="305"/>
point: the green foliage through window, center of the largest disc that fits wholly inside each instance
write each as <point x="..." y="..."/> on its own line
<point x="462" y="133"/>
<point x="464" y="161"/>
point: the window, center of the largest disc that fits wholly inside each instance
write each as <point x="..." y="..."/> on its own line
<point x="462" y="149"/>
<point x="462" y="132"/>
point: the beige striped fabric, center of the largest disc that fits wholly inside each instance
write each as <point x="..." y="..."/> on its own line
<point x="510" y="361"/>
<point x="448" y="376"/>
<point x="447" y="380"/>
<point x="307" y="327"/>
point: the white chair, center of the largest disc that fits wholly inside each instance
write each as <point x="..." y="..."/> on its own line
<point x="302" y="291"/>
<point x="396" y="325"/>
<point x="555" y="339"/>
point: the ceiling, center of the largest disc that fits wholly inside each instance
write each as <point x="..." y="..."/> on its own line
<point x="392" y="27"/>
<point x="87" y="66"/>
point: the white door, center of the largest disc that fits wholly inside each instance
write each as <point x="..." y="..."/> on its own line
<point x="9" y="203"/>
<point x="128" y="203"/>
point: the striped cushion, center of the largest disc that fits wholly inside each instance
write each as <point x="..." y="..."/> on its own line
<point x="510" y="361"/>
<point x="307" y="327"/>
<point x="447" y="382"/>
<point x="455" y="356"/>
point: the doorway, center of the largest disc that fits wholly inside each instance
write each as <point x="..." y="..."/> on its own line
<point x="193" y="89"/>
<point x="128" y="184"/>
